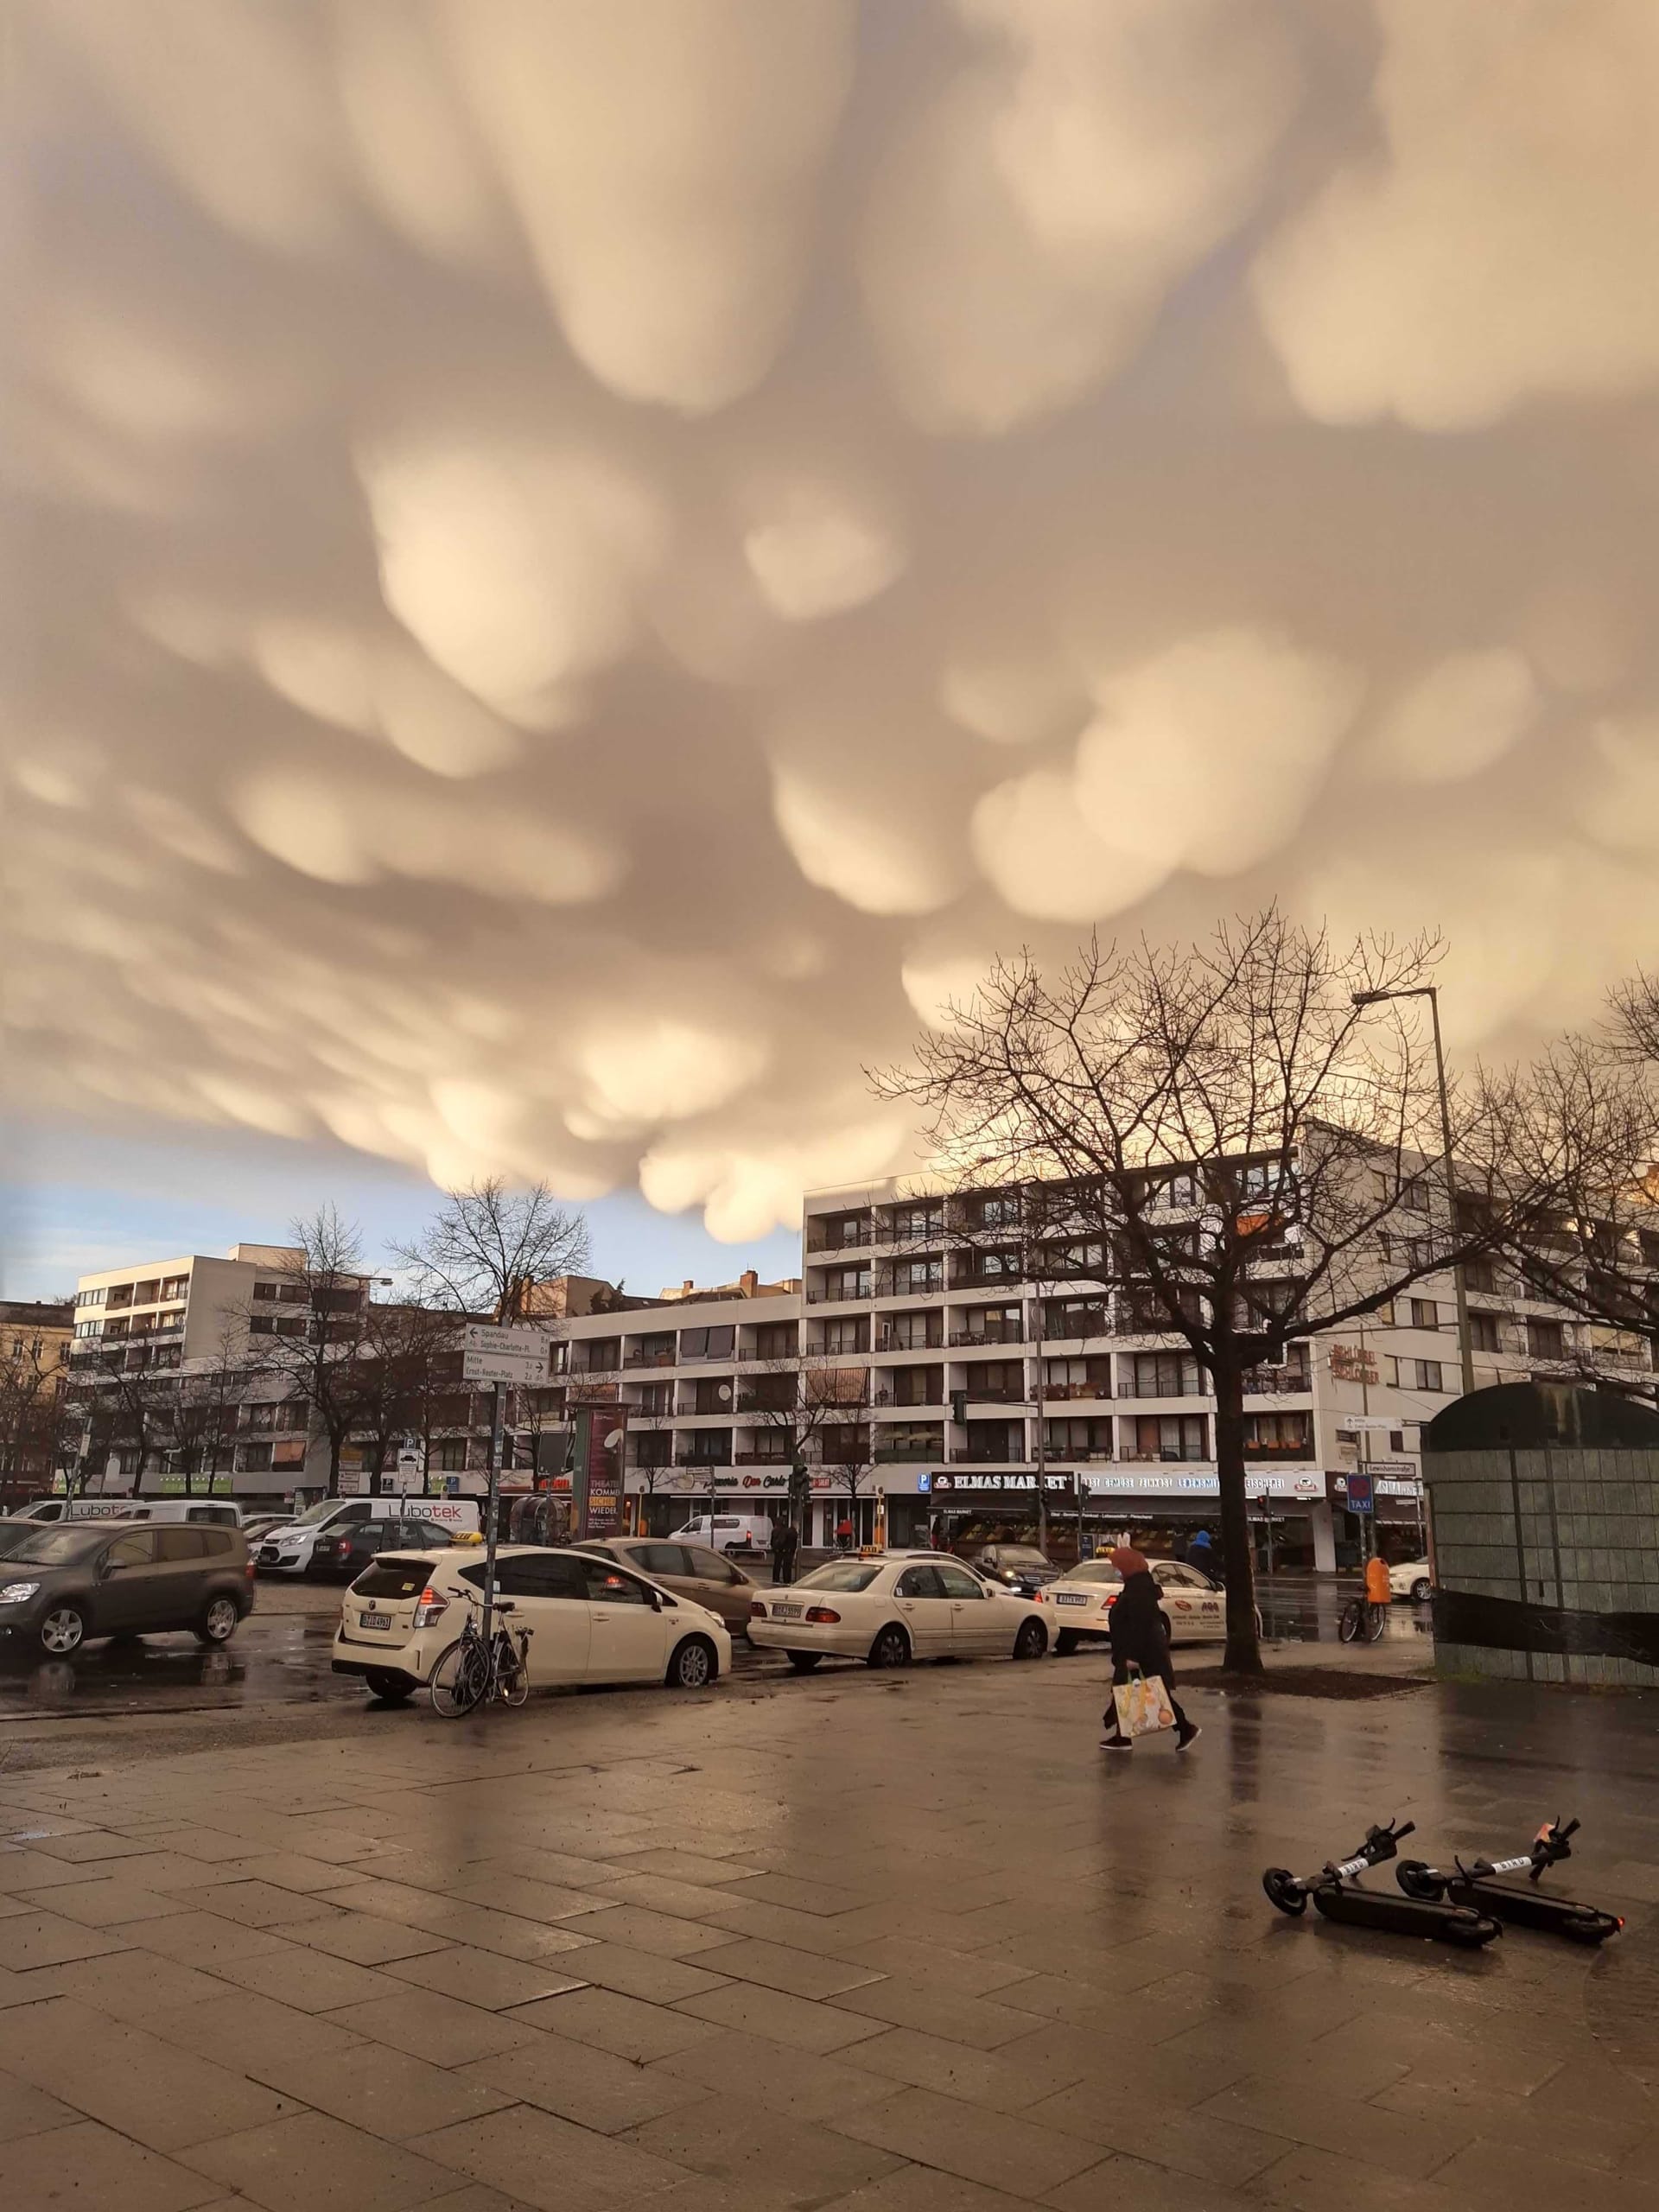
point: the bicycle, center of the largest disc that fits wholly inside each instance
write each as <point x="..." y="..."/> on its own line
<point x="472" y="1672"/>
<point x="1362" y="1621"/>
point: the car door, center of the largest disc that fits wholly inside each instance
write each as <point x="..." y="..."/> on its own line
<point x="181" y="1576"/>
<point x="549" y="1596"/>
<point x="1192" y="1606"/>
<point x="922" y="1603"/>
<point x="979" y="1620"/>
<point x="130" y="1583"/>
<point x="716" y="1583"/>
<point x="627" y="1640"/>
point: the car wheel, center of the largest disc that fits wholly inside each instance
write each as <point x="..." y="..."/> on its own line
<point x="63" y="1630"/>
<point x="1066" y="1643"/>
<point x="390" y="1688"/>
<point x="1421" y="1590"/>
<point x="694" y="1665"/>
<point x="803" y="1661"/>
<point x="217" y="1624"/>
<point x="1032" y="1640"/>
<point x="891" y="1648"/>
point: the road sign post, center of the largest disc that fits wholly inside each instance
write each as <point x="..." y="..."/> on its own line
<point x="499" y="1356"/>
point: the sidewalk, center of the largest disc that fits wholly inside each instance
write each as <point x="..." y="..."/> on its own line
<point x="883" y="1943"/>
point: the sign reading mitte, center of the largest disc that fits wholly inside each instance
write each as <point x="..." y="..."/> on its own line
<point x="494" y="1355"/>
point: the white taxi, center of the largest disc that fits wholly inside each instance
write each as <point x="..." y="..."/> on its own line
<point x="1083" y="1597"/>
<point x="591" y="1620"/>
<point x="1413" y="1579"/>
<point x="889" y="1608"/>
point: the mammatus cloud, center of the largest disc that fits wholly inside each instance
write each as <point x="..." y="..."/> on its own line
<point x="585" y="563"/>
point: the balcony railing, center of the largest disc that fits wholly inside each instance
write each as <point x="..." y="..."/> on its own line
<point x="1188" y="1386"/>
<point x="1102" y="1389"/>
<point x="1055" y="1448"/>
<point x="909" y="1452"/>
<point x="840" y="1297"/>
<point x="649" y="1359"/>
<point x="1168" y="1456"/>
<point x="1012" y="1332"/>
<point x="886" y="1341"/>
<point x="692" y="1460"/>
<point x="1007" y="1394"/>
<point x="1300" y="1450"/>
<point x="761" y="1459"/>
<point x="853" y="1234"/>
<point x="976" y="1455"/>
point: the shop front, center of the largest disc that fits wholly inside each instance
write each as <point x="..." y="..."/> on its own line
<point x="1160" y="1510"/>
<point x="1382" y="1503"/>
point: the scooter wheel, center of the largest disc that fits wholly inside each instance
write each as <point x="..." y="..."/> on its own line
<point x="1285" y="1890"/>
<point x="1593" y="1928"/>
<point x="1469" y="1929"/>
<point x="1419" y="1879"/>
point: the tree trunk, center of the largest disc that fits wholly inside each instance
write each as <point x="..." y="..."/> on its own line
<point x="334" y="1443"/>
<point x="1243" y="1654"/>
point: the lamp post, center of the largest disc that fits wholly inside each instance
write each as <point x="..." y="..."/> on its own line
<point x="1460" y="1289"/>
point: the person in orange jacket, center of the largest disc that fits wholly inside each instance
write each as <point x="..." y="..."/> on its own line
<point x="1379" y="1590"/>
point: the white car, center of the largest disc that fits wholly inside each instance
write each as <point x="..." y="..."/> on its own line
<point x="890" y="1609"/>
<point x="290" y="1547"/>
<point x="1083" y="1597"/>
<point x="1413" y="1579"/>
<point x="591" y="1620"/>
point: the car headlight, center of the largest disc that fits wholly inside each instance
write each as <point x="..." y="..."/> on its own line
<point x="14" y="1592"/>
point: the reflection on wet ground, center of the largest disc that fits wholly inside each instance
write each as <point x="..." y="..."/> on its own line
<point x="283" y="1658"/>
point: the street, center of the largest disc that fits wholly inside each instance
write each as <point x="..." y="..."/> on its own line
<point x="883" y="1942"/>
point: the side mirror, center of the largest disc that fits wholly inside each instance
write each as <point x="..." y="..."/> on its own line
<point x="107" y="1568"/>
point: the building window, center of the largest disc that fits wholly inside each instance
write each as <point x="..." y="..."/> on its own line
<point x="1428" y="1375"/>
<point x="848" y="1282"/>
<point x="1277" y="1435"/>
<point x="1483" y="1332"/>
<point x="849" y="1332"/>
<point x="1546" y="1339"/>
<point x="916" y="1224"/>
<point x="253" y="1458"/>
<point x="916" y="1278"/>
<point x="1168" y="1436"/>
<point x="1164" y="1375"/>
<point x="450" y="1455"/>
<point x="1425" y="1313"/>
<point x="89" y="1298"/>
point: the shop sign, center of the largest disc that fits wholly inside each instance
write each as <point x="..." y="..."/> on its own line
<point x="200" y="1486"/>
<point x="995" y="1480"/>
<point x="1152" y="1485"/>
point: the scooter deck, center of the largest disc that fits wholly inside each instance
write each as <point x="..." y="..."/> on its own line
<point x="1398" y="1915"/>
<point x="1527" y="1908"/>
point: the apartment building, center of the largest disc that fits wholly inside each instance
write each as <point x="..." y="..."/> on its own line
<point x="34" y="1335"/>
<point x="930" y="1365"/>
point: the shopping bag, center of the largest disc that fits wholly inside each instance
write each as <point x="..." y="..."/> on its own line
<point x="1143" y="1707"/>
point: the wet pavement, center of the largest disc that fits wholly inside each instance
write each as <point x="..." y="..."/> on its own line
<point x="280" y="1655"/>
<point x="878" y="1943"/>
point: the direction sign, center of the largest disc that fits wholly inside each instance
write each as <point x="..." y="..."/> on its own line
<point x="488" y="1354"/>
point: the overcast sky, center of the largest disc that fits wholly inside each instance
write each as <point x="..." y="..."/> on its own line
<point x="581" y="564"/>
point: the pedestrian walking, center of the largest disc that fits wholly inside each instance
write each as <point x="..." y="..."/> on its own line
<point x="1140" y="1632"/>
<point x="1201" y="1553"/>
<point x="779" y="1551"/>
<point x="791" y="1545"/>
<point x="844" y="1534"/>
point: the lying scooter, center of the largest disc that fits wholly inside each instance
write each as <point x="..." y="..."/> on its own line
<point x="1337" y="1896"/>
<point x="1477" y="1885"/>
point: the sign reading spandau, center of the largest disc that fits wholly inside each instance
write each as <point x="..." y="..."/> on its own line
<point x="488" y="1354"/>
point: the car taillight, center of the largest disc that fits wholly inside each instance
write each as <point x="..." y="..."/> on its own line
<point x="250" y="1570"/>
<point x="430" y="1606"/>
<point x="821" y="1614"/>
<point x="757" y="1610"/>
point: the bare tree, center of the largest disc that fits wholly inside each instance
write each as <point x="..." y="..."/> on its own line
<point x="1246" y="1138"/>
<point x="489" y="1249"/>
<point x="1583" y="1123"/>
<point x="31" y="1409"/>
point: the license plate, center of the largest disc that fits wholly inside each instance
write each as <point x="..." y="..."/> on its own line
<point x="1070" y="1598"/>
<point x="786" y="1612"/>
<point x="374" y="1620"/>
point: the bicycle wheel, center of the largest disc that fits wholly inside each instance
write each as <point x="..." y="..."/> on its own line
<point x="511" y="1675"/>
<point x="461" y="1678"/>
<point x="1375" y="1625"/>
<point x="1348" y="1626"/>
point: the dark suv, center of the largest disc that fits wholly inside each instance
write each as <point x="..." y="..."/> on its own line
<point x="111" y="1577"/>
<point x="343" y="1557"/>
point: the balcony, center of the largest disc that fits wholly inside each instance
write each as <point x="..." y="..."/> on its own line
<point x="849" y="1236"/>
<point x="911" y="1454"/>
<point x="1304" y="1450"/>
<point x="1011" y="1333"/>
<point x="649" y="1359"/>
<point x="700" y="1465"/>
<point x="1090" y="1454"/>
<point x="886" y="1341"/>
<point x="976" y="1455"/>
<point x="1100" y="1392"/>
<point x="1167" y="1457"/>
<point x="1009" y="1394"/>
<point x="827" y="1297"/>
<point x="761" y="1459"/>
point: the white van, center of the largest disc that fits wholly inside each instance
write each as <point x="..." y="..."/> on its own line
<point x="288" y="1550"/>
<point x="732" y="1532"/>
<point x="219" y="1512"/>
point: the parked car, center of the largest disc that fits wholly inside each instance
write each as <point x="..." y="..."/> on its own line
<point x="1413" y="1579"/>
<point x="289" y="1550"/>
<point x="731" y="1532"/>
<point x="341" y="1557"/>
<point x="592" y="1619"/>
<point x="1017" y="1567"/>
<point x="13" y="1530"/>
<point x="689" y="1571"/>
<point x="1083" y="1597"/>
<point x="889" y="1609"/>
<point x="257" y="1525"/>
<point x="66" y="1585"/>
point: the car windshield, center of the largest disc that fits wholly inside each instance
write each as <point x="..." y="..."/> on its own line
<point x="1095" y="1570"/>
<point x="841" y="1574"/>
<point x="312" y="1514"/>
<point x="1020" y="1556"/>
<point x="398" y="1577"/>
<point x="51" y="1547"/>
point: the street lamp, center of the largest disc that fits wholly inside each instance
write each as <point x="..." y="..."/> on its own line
<point x="1431" y="992"/>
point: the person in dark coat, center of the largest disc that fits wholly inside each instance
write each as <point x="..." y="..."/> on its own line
<point x="781" y="1533"/>
<point x="1139" y="1630"/>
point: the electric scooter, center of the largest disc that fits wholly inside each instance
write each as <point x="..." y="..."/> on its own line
<point x="1475" y="1886"/>
<point x="1337" y="1896"/>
